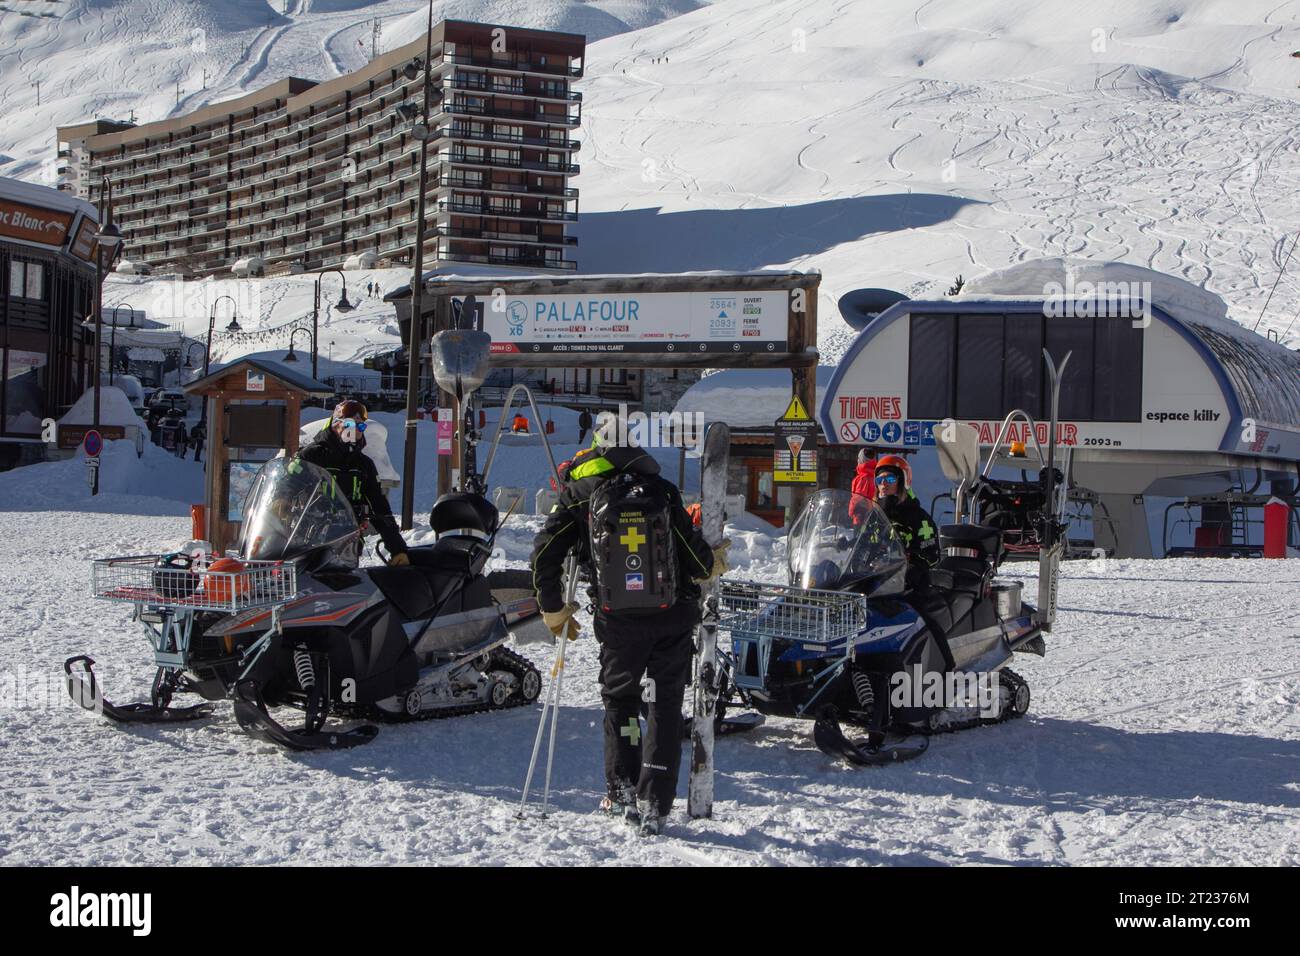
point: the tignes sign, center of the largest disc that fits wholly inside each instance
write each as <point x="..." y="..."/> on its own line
<point x="634" y="323"/>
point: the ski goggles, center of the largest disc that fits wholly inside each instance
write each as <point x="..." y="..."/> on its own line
<point x="352" y="423"/>
<point x="886" y="479"/>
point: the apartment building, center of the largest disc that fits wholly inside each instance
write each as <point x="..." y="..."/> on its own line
<point x="302" y="175"/>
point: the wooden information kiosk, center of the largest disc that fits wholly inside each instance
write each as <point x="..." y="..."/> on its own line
<point x="252" y="409"/>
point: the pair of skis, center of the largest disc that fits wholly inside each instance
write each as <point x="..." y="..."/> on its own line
<point x="713" y="493"/>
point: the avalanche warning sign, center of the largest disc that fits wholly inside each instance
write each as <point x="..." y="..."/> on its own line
<point x="794" y="447"/>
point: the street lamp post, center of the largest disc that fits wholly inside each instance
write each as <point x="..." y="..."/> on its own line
<point x="112" y="338"/>
<point x="422" y="133"/>
<point x="292" y="357"/>
<point x="189" y="349"/>
<point x="207" y="352"/>
<point x="212" y="321"/>
<point x="343" y="306"/>
<point x="108" y="239"/>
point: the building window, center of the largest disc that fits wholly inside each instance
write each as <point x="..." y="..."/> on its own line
<point x="26" y="280"/>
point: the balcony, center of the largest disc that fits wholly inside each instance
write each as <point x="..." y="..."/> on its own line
<point x="533" y="238"/>
<point x="532" y="262"/>
<point x="487" y="185"/>
<point x="459" y="156"/>
<point x="454" y="105"/>
<point x="511" y="61"/>
<point x="462" y="132"/>
<point x="487" y="211"/>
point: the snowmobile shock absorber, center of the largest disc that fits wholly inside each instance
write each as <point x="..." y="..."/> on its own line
<point x="305" y="670"/>
<point x="862" y="688"/>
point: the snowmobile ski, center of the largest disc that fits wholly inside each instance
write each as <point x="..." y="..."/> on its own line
<point x="713" y="491"/>
<point x="831" y="741"/>
<point x="732" y="724"/>
<point x="252" y="716"/>
<point x="85" y="691"/>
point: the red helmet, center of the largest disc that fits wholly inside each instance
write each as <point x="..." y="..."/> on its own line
<point x="899" y="464"/>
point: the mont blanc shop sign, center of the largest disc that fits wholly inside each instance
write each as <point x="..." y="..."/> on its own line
<point x="33" y="224"/>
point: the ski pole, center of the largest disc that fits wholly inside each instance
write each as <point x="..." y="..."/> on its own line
<point x="555" y="713"/>
<point x="552" y="703"/>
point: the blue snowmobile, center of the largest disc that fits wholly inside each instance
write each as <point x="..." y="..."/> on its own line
<point x="844" y="641"/>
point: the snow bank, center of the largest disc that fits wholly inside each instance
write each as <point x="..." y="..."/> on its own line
<point x="114" y="409"/>
<point x="158" y="483"/>
<point x="1040" y="277"/>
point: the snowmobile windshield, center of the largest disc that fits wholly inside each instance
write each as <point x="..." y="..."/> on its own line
<point x="295" y="508"/>
<point x="842" y="541"/>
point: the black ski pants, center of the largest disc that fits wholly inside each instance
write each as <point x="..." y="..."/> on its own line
<point x="651" y="763"/>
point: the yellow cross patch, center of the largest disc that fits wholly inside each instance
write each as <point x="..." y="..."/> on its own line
<point x="632" y="538"/>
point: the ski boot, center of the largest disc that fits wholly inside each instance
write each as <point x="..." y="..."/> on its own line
<point x="620" y="801"/>
<point x="649" y="822"/>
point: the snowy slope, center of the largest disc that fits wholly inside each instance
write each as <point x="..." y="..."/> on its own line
<point x="899" y="144"/>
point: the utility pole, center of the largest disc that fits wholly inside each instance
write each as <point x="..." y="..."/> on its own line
<point x="374" y="39"/>
<point x="415" y="340"/>
<point x="178" y="92"/>
<point x="37" y="84"/>
<point x="205" y="79"/>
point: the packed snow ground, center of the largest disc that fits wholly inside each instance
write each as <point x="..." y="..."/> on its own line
<point x="1164" y="730"/>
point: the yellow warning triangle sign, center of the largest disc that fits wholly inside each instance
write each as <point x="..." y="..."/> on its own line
<point x="795" y="411"/>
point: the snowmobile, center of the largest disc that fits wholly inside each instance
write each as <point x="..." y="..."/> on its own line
<point x="844" y="640"/>
<point x="294" y="621"/>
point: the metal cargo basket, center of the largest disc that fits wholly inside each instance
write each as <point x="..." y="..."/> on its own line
<point x="757" y="615"/>
<point x="145" y="580"/>
<point x="1006" y="595"/>
<point x="788" y="613"/>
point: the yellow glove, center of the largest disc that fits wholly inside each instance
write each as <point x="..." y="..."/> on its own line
<point x="562" y="623"/>
<point x="399" y="560"/>
<point x="720" y="566"/>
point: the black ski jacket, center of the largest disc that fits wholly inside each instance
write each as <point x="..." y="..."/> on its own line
<point x="568" y="526"/>
<point x="358" y="479"/>
<point x="916" y="530"/>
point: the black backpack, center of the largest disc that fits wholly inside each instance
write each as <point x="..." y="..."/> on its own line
<point x="634" y="559"/>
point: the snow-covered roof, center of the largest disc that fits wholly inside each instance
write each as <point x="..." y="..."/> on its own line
<point x="1067" y="276"/>
<point x="114" y="408"/>
<point x="16" y="190"/>
<point x="1264" y="375"/>
<point x="494" y="274"/>
<point x="281" y="371"/>
<point x="141" y="354"/>
<point x="746" y="397"/>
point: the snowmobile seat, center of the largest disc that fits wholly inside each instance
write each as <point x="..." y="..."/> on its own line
<point x="465" y="514"/>
<point x="452" y="555"/>
<point x="971" y="541"/>
<point x="942" y="609"/>
<point x="415" y="591"/>
<point x="965" y="575"/>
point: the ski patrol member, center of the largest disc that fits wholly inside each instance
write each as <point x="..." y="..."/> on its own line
<point x="643" y="655"/>
<point x="912" y="523"/>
